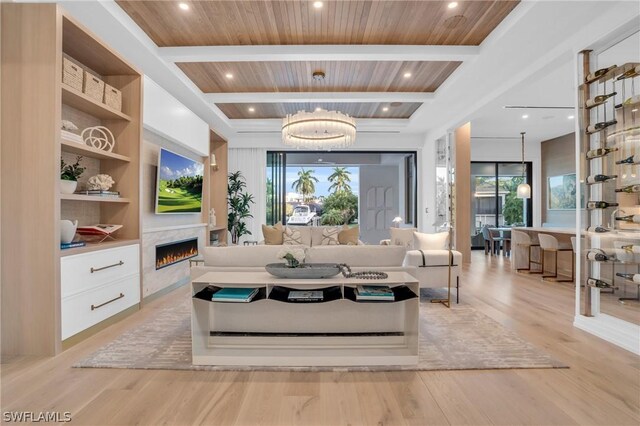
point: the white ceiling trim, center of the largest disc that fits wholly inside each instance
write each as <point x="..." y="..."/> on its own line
<point x="290" y="97"/>
<point x="278" y="53"/>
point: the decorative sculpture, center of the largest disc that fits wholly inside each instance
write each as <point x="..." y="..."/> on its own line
<point x="68" y="126"/>
<point x="99" y="137"/>
<point x="101" y="182"/>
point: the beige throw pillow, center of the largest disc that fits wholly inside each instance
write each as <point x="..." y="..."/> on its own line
<point x="349" y="236"/>
<point x="330" y="235"/>
<point x="291" y="236"/>
<point x="439" y="241"/>
<point x="402" y="237"/>
<point x="273" y="235"/>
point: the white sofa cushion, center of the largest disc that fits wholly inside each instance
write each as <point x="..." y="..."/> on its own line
<point x="296" y="235"/>
<point x="369" y="256"/>
<point x="402" y="237"/>
<point x="234" y="256"/>
<point x="431" y="258"/>
<point x="438" y="241"/>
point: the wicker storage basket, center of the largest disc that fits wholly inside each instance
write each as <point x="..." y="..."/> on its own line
<point x="72" y="74"/>
<point x="112" y="97"/>
<point x="93" y="87"/>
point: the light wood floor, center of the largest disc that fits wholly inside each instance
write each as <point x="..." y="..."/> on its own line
<point x="602" y="385"/>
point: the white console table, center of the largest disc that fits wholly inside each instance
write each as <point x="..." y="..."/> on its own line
<point x="270" y="332"/>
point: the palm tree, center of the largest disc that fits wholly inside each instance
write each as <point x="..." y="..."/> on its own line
<point x="305" y="184"/>
<point x="340" y="179"/>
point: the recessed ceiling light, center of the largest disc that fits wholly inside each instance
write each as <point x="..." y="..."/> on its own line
<point x="407" y="74"/>
<point x="571" y="117"/>
<point x="229" y="75"/>
<point x="318" y="109"/>
<point x="252" y="109"/>
<point x="452" y="5"/>
<point x="318" y="4"/>
<point x="183" y="6"/>
<point x="385" y="109"/>
<point x="525" y="116"/>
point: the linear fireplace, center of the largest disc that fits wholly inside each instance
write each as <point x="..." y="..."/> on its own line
<point x="174" y="252"/>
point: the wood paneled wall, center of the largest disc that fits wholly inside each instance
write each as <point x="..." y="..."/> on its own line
<point x="462" y="142"/>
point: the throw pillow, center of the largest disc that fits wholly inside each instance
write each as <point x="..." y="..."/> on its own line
<point x="349" y="236"/>
<point x="291" y="236"/>
<point x="273" y="235"/>
<point x="439" y="241"/>
<point x="402" y="237"/>
<point x="330" y="236"/>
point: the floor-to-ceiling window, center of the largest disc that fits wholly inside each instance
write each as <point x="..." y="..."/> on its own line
<point x="494" y="201"/>
<point x="366" y="188"/>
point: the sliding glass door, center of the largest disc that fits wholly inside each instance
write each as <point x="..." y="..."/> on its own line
<point x="276" y="189"/>
<point x="494" y="202"/>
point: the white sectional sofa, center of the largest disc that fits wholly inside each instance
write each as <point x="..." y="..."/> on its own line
<point x="429" y="266"/>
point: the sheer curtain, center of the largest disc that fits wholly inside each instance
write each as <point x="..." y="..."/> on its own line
<point x="252" y="162"/>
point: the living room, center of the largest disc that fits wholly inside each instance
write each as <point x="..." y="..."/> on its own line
<point x="320" y="212"/>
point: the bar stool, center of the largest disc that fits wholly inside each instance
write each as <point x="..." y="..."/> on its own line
<point x="522" y="239"/>
<point x="550" y="243"/>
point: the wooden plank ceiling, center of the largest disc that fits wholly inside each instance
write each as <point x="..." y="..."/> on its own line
<point x="222" y="23"/>
<point x="357" y="110"/>
<point x="341" y="76"/>
<point x="337" y="22"/>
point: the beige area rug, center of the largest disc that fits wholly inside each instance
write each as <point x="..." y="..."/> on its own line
<point x="460" y="338"/>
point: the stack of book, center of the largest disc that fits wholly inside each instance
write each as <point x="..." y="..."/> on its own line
<point x="381" y="293"/>
<point x="64" y="246"/>
<point x="237" y="295"/>
<point x="305" y="296"/>
<point x="99" y="193"/>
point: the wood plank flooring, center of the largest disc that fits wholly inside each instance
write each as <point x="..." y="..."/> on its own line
<point x="602" y="385"/>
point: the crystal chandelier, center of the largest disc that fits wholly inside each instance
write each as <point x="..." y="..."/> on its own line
<point x="318" y="130"/>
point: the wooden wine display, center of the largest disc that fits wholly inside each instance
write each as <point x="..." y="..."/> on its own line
<point x="610" y="154"/>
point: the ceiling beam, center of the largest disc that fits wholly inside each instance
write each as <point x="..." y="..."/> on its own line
<point x="290" y="97"/>
<point x="318" y="53"/>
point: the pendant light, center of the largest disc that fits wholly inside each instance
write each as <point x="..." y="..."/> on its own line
<point x="524" y="190"/>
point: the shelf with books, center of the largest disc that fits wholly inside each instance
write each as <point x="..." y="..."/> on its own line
<point x="400" y="294"/>
<point x="89" y="151"/>
<point x="95" y="246"/>
<point x="233" y="294"/>
<point x="312" y="295"/>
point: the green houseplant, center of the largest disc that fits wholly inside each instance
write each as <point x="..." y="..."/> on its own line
<point x="239" y="203"/>
<point x="69" y="175"/>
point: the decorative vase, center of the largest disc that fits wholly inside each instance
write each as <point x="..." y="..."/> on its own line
<point x="68" y="186"/>
<point x="67" y="230"/>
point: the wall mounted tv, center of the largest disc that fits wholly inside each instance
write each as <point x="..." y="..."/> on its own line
<point x="179" y="184"/>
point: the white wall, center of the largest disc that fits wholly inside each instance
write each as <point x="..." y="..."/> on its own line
<point x="510" y="150"/>
<point x="166" y="116"/>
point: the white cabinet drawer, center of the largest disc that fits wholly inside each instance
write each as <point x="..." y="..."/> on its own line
<point x="90" y="270"/>
<point x="88" y="308"/>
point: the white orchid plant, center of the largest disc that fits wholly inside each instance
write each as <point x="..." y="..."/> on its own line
<point x="293" y="256"/>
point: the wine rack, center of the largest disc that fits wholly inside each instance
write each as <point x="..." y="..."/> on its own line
<point x="609" y="102"/>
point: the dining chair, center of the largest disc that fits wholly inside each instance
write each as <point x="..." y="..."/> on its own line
<point x="523" y="239"/>
<point x="549" y="243"/>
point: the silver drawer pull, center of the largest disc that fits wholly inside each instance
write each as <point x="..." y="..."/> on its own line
<point x="93" y="307"/>
<point x="107" y="267"/>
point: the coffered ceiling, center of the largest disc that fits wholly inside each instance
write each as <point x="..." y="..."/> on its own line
<point x="249" y="57"/>
<point x="221" y="23"/>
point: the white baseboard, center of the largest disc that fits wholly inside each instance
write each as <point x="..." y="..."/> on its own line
<point x="612" y="329"/>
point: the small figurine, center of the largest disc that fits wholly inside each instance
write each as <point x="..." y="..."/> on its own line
<point x="101" y="182"/>
<point x="212" y="218"/>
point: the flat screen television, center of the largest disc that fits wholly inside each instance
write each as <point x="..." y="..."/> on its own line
<point x="179" y="184"/>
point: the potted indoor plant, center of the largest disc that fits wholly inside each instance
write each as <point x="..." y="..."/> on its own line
<point x="69" y="175"/>
<point x="239" y="207"/>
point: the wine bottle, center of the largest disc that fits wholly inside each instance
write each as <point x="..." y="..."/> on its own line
<point x="631" y="189"/>
<point x="599" y="178"/>
<point x="598" y="127"/>
<point x="599" y="100"/>
<point x="594" y="282"/>
<point x="633" y="72"/>
<point x="633" y="159"/>
<point x="598" y="229"/>
<point x="599" y="256"/>
<point x="599" y="152"/>
<point x="631" y="277"/>
<point x="632" y="218"/>
<point x="629" y="101"/>
<point x="591" y="205"/>
<point x="591" y="77"/>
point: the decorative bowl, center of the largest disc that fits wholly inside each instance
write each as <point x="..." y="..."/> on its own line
<point x="307" y="271"/>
